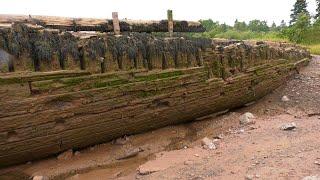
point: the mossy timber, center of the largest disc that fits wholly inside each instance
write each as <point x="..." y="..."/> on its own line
<point x="45" y="113"/>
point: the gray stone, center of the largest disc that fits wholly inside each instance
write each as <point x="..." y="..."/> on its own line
<point x="188" y="162"/>
<point x="249" y="177"/>
<point x="208" y="143"/>
<point x="130" y="154"/>
<point x="289" y="126"/>
<point x="40" y="178"/>
<point x="315" y="177"/>
<point x="65" y="155"/>
<point x="247" y="118"/>
<point x="285" y="99"/>
<point x="122" y="140"/>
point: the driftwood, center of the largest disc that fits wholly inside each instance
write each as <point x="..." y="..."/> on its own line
<point x="102" y="25"/>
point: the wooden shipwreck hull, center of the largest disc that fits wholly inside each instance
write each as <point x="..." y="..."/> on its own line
<point x="45" y="113"/>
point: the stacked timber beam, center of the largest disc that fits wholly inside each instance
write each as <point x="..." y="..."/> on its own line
<point x="100" y="25"/>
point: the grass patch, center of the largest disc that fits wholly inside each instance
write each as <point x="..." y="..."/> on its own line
<point x="145" y="94"/>
<point x="153" y="77"/>
<point x="117" y="82"/>
<point x="314" y="48"/>
<point x="73" y="81"/>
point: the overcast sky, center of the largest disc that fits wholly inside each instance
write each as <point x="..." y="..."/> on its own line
<point x="218" y="10"/>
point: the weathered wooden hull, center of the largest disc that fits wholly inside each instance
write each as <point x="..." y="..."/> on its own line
<point x="40" y="126"/>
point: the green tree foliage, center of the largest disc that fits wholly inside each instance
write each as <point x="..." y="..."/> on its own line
<point x="274" y="27"/>
<point x="299" y="29"/>
<point x="299" y="7"/>
<point x="240" y="26"/>
<point x="214" y="28"/>
<point x="318" y="10"/>
<point x="258" y="26"/>
<point x="283" y="25"/>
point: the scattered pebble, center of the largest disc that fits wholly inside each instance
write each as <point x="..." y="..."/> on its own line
<point x="247" y="118"/>
<point x="208" y="144"/>
<point x="315" y="177"/>
<point x="220" y="136"/>
<point x="285" y="99"/>
<point x="130" y="154"/>
<point x="249" y="177"/>
<point x="65" y="155"/>
<point x="289" y="126"/>
<point x="40" y="178"/>
<point x="188" y="163"/>
<point x="77" y="153"/>
<point x="121" y="141"/>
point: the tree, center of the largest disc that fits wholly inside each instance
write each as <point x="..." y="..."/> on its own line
<point x="209" y="24"/>
<point x="297" y="31"/>
<point x="213" y="28"/>
<point x="240" y="26"/>
<point x="299" y="7"/>
<point x="318" y="10"/>
<point x="258" y="26"/>
<point x="283" y="24"/>
<point x="274" y="27"/>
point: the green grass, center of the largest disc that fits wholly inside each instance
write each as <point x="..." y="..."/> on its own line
<point x="311" y="40"/>
<point x="247" y="35"/>
<point x="153" y="77"/>
<point x="314" y="48"/>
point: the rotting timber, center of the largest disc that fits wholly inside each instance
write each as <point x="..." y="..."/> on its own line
<point x="146" y="82"/>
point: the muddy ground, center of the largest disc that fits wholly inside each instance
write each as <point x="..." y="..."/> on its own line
<point x="258" y="151"/>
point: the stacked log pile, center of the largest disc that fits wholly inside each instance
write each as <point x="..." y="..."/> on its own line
<point x="100" y="25"/>
<point x="149" y="83"/>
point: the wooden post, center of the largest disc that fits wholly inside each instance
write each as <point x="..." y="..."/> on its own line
<point x="10" y="65"/>
<point x="170" y="22"/>
<point x="116" y="25"/>
<point x="102" y="65"/>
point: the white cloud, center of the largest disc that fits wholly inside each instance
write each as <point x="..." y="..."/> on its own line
<point x="219" y="10"/>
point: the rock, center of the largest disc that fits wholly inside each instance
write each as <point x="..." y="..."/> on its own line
<point x="76" y="176"/>
<point x="65" y="155"/>
<point x="121" y="141"/>
<point x="77" y="153"/>
<point x="316" y="177"/>
<point x="249" y="177"/>
<point x="247" y="118"/>
<point x="130" y="154"/>
<point x="285" y="99"/>
<point x="188" y="163"/>
<point x="289" y="126"/>
<point x="208" y="143"/>
<point x="220" y="136"/>
<point x="40" y="178"/>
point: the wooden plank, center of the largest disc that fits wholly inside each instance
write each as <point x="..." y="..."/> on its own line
<point x="102" y="25"/>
